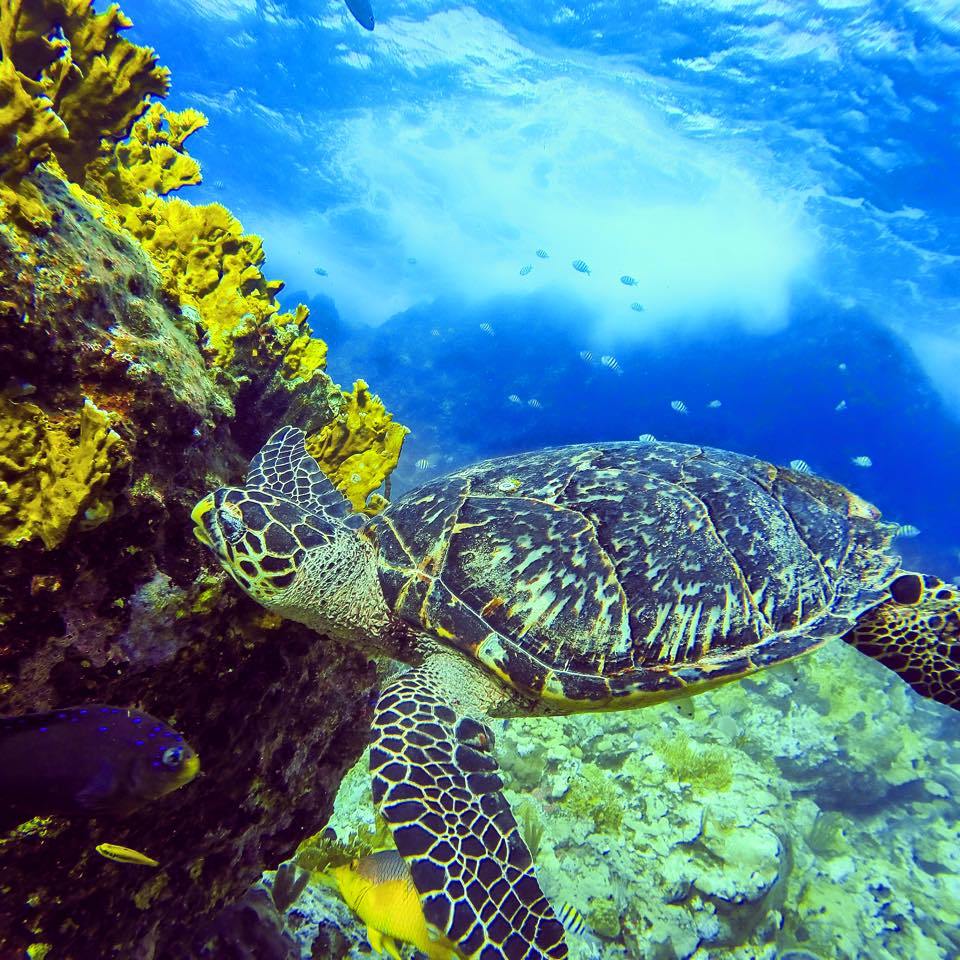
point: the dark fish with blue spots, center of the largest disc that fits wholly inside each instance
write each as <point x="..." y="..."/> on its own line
<point x="362" y="13"/>
<point x="88" y="761"/>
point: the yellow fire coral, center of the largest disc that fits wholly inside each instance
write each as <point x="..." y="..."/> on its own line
<point x="53" y="471"/>
<point x="68" y="80"/>
<point x="152" y="160"/>
<point x="360" y="448"/>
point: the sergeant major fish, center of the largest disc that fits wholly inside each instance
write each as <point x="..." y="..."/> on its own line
<point x="678" y="406"/>
<point x="862" y="461"/>
<point x="580" y="266"/>
<point x="610" y="363"/>
<point x="88" y="760"/>
<point x="525" y="269"/>
<point x="628" y="281"/>
<point x="543" y="255"/>
<point x="636" y="307"/>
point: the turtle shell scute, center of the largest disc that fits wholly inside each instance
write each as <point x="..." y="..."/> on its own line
<point x="594" y="572"/>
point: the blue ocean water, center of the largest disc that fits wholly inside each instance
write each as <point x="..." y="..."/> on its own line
<point x="779" y="178"/>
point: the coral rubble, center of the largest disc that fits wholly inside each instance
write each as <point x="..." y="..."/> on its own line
<point x="143" y="357"/>
<point x="710" y="829"/>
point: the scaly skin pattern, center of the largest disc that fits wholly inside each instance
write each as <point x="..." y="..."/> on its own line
<point x="916" y="633"/>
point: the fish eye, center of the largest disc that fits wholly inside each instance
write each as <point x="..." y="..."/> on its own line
<point x="232" y="526"/>
<point x="172" y="756"/>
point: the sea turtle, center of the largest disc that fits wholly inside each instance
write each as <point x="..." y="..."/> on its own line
<point x="593" y="577"/>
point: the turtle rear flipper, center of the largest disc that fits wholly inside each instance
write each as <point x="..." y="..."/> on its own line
<point x="436" y="782"/>
<point x="917" y="634"/>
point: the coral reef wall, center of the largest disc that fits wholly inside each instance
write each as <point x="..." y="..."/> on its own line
<point x="143" y="359"/>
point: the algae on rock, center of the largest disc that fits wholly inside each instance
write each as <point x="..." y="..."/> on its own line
<point x="143" y="355"/>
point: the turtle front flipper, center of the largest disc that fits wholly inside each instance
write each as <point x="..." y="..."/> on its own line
<point x="436" y="783"/>
<point x="917" y="634"/>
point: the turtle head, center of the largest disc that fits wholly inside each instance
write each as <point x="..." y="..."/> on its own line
<point x="289" y="539"/>
<point x="262" y="539"/>
<point x="304" y="565"/>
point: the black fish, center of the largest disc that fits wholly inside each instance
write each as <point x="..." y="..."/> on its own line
<point x="88" y="760"/>
<point x="362" y="13"/>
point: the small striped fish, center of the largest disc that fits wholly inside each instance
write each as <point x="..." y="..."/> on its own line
<point x="535" y="403"/>
<point x="320" y="272"/>
<point x="543" y="255"/>
<point x="637" y="307"/>
<point x="513" y="398"/>
<point x="422" y="464"/>
<point x="862" y="461"/>
<point x="907" y="530"/>
<point x="486" y="328"/>
<point x="628" y="281"/>
<point x="524" y="270"/>
<point x="572" y="919"/>
<point x="580" y="266"/>
<point x="219" y="184"/>
<point x="610" y="363"/>
<point x="434" y="332"/>
<point x="842" y="405"/>
<point x="647" y="438"/>
<point x="678" y="406"/>
<point x="801" y="466"/>
<point x="586" y="355"/>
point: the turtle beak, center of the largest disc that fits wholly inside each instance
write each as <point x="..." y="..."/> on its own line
<point x="206" y="529"/>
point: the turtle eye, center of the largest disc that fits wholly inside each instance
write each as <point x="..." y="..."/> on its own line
<point x="232" y="526"/>
<point x="172" y="756"/>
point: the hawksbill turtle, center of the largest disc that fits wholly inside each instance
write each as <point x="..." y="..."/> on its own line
<point x="592" y="577"/>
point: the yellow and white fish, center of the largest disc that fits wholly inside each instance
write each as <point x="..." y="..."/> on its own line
<point x="801" y="466"/>
<point x="113" y="851"/>
<point x="487" y="329"/>
<point x="842" y="405"/>
<point x="586" y="356"/>
<point x="379" y="889"/>
<point x="862" y="461"/>
<point x="678" y="406"/>
<point x="572" y="919"/>
<point x="907" y="530"/>
<point x="535" y="403"/>
<point x="715" y="404"/>
<point x="513" y="398"/>
<point x="647" y="438"/>
<point x="422" y="464"/>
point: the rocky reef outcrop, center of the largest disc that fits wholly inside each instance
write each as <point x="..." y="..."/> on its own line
<point x="143" y="359"/>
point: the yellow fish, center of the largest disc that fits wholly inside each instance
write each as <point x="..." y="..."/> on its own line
<point x="125" y="855"/>
<point x="380" y="891"/>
